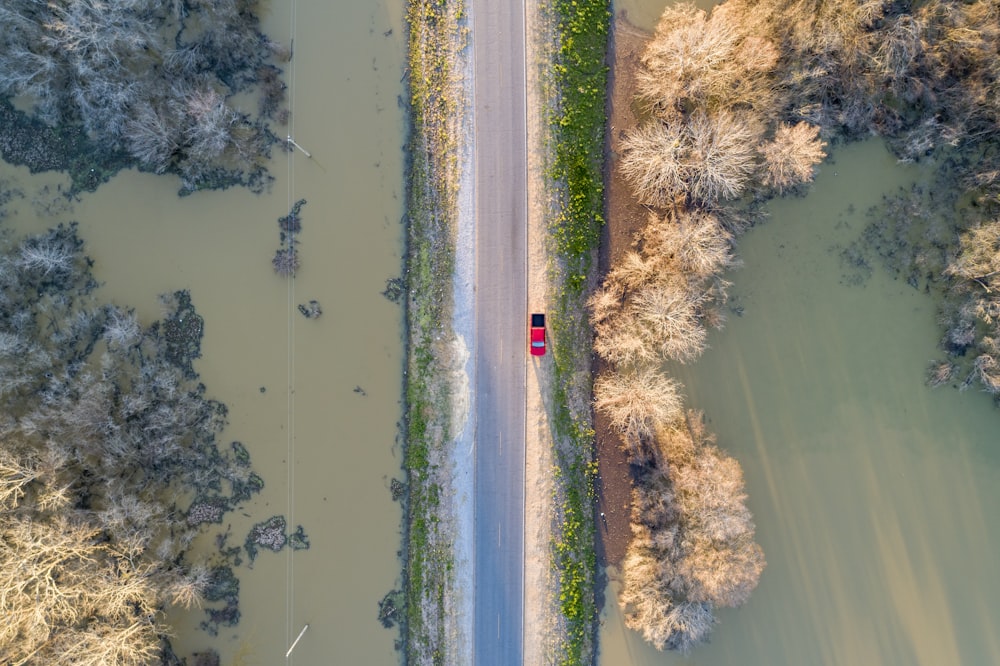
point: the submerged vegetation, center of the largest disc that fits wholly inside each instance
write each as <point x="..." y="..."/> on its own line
<point x="110" y="463"/>
<point x="735" y="107"/>
<point x="138" y="82"/>
<point x="286" y="258"/>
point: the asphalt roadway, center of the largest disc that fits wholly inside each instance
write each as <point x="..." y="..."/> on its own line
<point x="501" y="329"/>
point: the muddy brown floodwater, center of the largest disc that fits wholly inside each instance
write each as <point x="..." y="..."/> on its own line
<point x="874" y="496"/>
<point x="322" y="432"/>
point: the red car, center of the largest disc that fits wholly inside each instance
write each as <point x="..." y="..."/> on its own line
<point x="537" y="334"/>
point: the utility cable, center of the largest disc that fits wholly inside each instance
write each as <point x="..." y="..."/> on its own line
<point x="290" y="333"/>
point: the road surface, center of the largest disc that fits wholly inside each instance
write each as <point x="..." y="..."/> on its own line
<point x="500" y="329"/>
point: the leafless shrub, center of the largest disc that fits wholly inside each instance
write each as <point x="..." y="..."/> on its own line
<point x="152" y="138"/>
<point x="978" y="258"/>
<point x="789" y="158"/>
<point x="636" y="402"/>
<point x="653" y="302"/>
<point x="187" y="589"/>
<point x="185" y="61"/>
<point x="669" y="317"/>
<point x="46" y="255"/>
<point x="722" y="573"/>
<point x="660" y="321"/>
<point x="209" y="130"/>
<point x="272" y="90"/>
<point x="704" y="157"/>
<point x="652" y="162"/>
<point x="987" y="371"/>
<point x="692" y="546"/>
<point x="286" y="262"/>
<point x="691" y="244"/>
<point x="709" y="63"/>
<point x="646" y="601"/>
<point x="121" y="329"/>
<point x="897" y="52"/>
<point x="940" y="372"/>
<point x="282" y="52"/>
<point x="603" y="304"/>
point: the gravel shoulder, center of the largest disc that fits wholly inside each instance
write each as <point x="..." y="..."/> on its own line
<point x="541" y="589"/>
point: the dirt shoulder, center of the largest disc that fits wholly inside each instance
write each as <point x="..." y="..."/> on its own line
<point x="541" y="588"/>
<point x="623" y="219"/>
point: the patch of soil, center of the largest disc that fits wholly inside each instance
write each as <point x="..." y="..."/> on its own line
<point x="625" y="217"/>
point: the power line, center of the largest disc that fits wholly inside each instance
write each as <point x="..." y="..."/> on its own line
<point x="290" y="360"/>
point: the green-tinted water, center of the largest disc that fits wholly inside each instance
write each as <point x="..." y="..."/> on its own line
<point x="325" y="451"/>
<point x="874" y="496"/>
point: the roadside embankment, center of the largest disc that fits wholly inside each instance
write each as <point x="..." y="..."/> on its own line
<point x="436" y="399"/>
<point x="576" y="120"/>
<point x="567" y="80"/>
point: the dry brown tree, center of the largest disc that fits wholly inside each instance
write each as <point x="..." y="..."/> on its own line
<point x="636" y="402"/>
<point x="653" y="303"/>
<point x="694" y="61"/>
<point x="987" y="371"/>
<point x="692" y="244"/>
<point x="978" y="259"/>
<point x="959" y="64"/>
<point x="790" y="158"/>
<point x="704" y="157"/>
<point x="63" y="590"/>
<point x="975" y="271"/>
<point x="647" y="604"/>
<point x="658" y="322"/>
<point x="693" y="543"/>
<point x="668" y="315"/>
<point x="71" y="594"/>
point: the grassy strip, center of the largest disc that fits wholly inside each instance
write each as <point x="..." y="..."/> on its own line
<point x="436" y="37"/>
<point x="579" y="123"/>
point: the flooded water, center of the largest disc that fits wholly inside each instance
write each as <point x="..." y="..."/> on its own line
<point x="644" y="14"/>
<point x="874" y="496"/>
<point x="315" y="401"/>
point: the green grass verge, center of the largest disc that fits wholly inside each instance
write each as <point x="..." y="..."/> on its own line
<point x="578" y="124"/>
<point x="435" y="39"/>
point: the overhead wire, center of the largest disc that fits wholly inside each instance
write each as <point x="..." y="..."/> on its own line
<point x="290" y="349"/>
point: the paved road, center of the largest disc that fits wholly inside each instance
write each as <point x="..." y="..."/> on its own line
<point x="501" y="329"/>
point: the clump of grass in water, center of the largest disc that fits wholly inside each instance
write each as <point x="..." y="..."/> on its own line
<point x="271" y="534"/>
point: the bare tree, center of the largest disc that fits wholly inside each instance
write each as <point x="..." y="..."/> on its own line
<point x="721" y="573"/>
<point x="691" y="244"/>
<point x="669" y="317"/>
<point x="211" y="121"/>
<point x="693" y="543"/>
<point x="152" y="137"/>
<point x="709" y="63"/>
<point x="653" y="162"/>
<point x="790" y="157"/>
<point x="653" y="302"/>
<point x="703" y="157"/>
<point x="636" y="402"/>
<point x="978" y="259"/>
